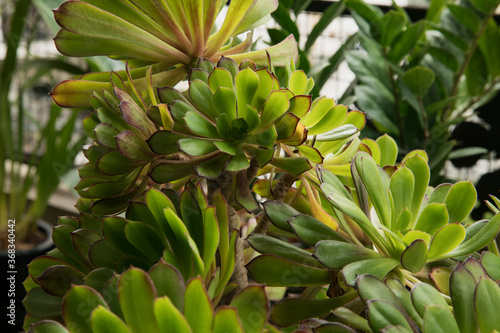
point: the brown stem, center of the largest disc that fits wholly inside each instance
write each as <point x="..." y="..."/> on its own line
<point x="252" y="170"/>
<point x="279" y="191"/>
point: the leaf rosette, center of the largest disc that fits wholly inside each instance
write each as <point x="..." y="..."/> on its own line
<point x="167" y="36"/>
<point x="154" y="301"/>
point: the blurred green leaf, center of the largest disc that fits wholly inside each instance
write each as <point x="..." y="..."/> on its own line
<point x="73" y="317"/>
<point x="103" y="320"/>
<point x="439" y="319"/>
<point x="462" y="286"/>
<point x="197" y="308"/>
<point x="169" y="318"/>
<point x="382" y="314"/>
<point x="336" y="255"/>
<point x="291" y="311"/>
<point x="276" y="271"/>
<point x="252" y="306"/>
<point x="419" y="79"/>
<point x="136" y="294"/>
<point x="486" y="302"/>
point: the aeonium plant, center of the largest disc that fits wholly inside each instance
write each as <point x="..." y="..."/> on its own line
<point x="167" y="37"/>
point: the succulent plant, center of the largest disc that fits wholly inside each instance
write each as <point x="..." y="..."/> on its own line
<point x="408" y="223"/>
<point x="472" y="304"/>
<point x="180" y="229"/>
<point x="166" y="36"/>
<point x="229" y="116"/>
<point x="386" y="222"/>
<point x="156" y="301"/>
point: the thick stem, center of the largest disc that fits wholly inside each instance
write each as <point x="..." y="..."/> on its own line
<point x="279" y="191"/>
<point x="225" y="183"/>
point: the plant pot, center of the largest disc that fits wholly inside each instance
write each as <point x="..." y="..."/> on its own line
<point x="15" y="276"/>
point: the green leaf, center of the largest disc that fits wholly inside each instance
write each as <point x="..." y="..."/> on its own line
<point x="335" y="254"/>
<point x="319" y="109"/>
<point x="414" y="256"/>
<point x="465" y="16"/>
<point x="475" y="268"/>
<point x="331" y="12"/>
<point x="377" y="267"/>
<point x="419" y="79"/>
<point x="298" y="82"/>
<point x="169" y="318"/>
<point x="104" y="321"/>
<point x="420" y="169"/>
<point x="90" y="21"/>
<point x="252" y="306"/>
<point x="226" y="320"/>
<point x="485" y="5"/>
<point x="136" y="294"/>
<point x="197" y="308"/>
<point x="168" y="282"/>
<point x="279" y="272"/>
<point x="238" y="162"/>
<point x="73" y="317"/>
<point x="291" y="311"/>
<point x="146" y="239"/>
<point x="460" y="200"/>
<point x="371" y="288"/>
<point x="480" y="239"/>
<point x="377" y="185"/>
<point x="390" y="26"/>
<point x="224" y="100"/>
<point x="114" y="163"/>
<point x="279" y="213"/>
<point x="270" y="245"/>
<point x="439" y="319"/>
<point x="211" y="237"/>
<point x="200" y="125"/>
<point x="276" y="106"/>
<point x="476" y="73"/>
<point x="48" y="326"/>
<point x="432" y="218"/>
<point x="388" y="149"/>
<point x="310" y="230"/>
<point x="39" y="303"/>
<point x="220" y="77"/>
<point x="406" y="41"/>
<point x="57" y="280"/>
<point x="424" y="295"/>
<point x="333" y="328"/>
<point x="164" y="142"/>
<point x="196" y="147"/>
<point x="445" y="240"/>
<point x="293" y="165"/>
<point x="441" y="278"/>
<point x="491" y="264"/>
<point x="247" y="82"/>
<point x="462" y="287"/>
<point x="486" y="303"/>
<point x="382" y="314"/>
<point x="401" y="185"/>
<point x="201" y="96"/>
<point x="335" y="117"/>
<point x="404" y="297"/>
<point x="113" y="229"/>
